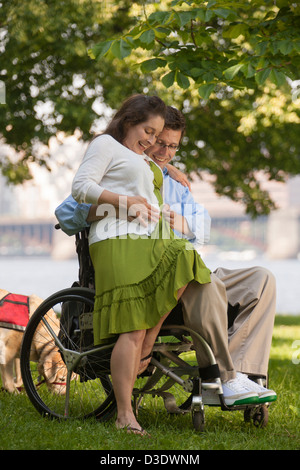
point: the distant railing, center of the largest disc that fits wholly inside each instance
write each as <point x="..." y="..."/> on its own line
<point x="26" y="238"/>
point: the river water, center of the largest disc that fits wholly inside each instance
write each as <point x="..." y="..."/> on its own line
<point x="43" y="276"/>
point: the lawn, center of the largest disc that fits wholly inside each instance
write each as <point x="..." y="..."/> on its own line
<point x="22" y="428"/>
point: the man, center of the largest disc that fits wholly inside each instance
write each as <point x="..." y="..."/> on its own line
<point x="243" y="348"/>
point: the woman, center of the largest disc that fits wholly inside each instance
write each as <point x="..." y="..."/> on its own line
<point x="132" y="297"/>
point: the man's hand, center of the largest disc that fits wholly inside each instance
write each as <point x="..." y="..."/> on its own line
<point x="177" y="222"/>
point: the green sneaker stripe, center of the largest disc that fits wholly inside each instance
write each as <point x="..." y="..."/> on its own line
<point x="268" y="399"/>
<point x="246" y="401"/>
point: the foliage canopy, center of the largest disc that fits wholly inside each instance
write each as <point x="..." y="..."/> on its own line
<point x="207" y="43"/>
<point x="227" y="65"/>
<point x="51" y="83"/>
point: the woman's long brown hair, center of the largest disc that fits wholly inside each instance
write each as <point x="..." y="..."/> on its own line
<point x="134" y="110"/>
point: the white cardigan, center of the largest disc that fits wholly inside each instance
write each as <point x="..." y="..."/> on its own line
<point x="107" y="164"/>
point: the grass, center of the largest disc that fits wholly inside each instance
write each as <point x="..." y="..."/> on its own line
<point x="22" y="428"/>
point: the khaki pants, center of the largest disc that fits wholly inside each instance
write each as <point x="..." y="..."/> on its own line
<point x="244" y="346"/>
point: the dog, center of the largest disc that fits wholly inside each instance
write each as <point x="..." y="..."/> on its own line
<point x="50" y="364"/>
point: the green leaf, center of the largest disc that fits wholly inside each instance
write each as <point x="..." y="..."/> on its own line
<point x="161" y="32"/>
<point x="277" y="77"/>
<point x="185" y="17"/>
<point x="160" y="17"/>
<point x="152" y="64"/>
<point x="204" y="15"/>
<point x="248" y="70"/>
<point x="182" y="80"/>
<point x="120" y="48"/>
<point x="208" y="76"/>
<point x="235" y="31"/>
<point x="195" y="72"/>
<point x="261" y="47"/>
<point x="206" y="90"/>
<point x="274" y="47"/>
<point x="148" y="36"/>
<point x="168" y="79"/>
<point x="136" y="32"/>
<point x="286" y="46"/>
<point x="297" y="46"/>
<point x="262" y="76"/>
<point x="224" y="12"/>
<point x="232" y="71"/>
<point x="99" y="50"/>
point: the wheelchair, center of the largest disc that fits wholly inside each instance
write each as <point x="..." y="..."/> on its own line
<point x="173" y="373"/>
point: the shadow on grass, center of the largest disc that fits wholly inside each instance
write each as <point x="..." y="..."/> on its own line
<point x="26" y="429"/>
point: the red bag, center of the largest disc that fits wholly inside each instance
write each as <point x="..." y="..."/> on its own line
<point x="14" y="311"/>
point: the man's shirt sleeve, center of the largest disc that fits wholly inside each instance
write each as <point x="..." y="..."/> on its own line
<point x="72" y="216"/>
<point x="181" y="201"/>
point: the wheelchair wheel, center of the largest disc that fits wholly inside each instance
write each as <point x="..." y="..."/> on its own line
<point x="64" y="375"/>
<point x="259" y="416"/>
<point x="198" y="420"/>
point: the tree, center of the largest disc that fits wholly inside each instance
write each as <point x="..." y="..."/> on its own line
<point x="228" y="66"/>
<point x="51" y="83"/>
<point x="223" y="63"/>
<point x="209" y="43"/>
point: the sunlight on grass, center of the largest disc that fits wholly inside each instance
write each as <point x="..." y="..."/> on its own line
<point x="26" y="429"/>
<point x="284" y="337"/>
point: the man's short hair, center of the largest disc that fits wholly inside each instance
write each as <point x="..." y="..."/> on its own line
<point x="175" y="120"/>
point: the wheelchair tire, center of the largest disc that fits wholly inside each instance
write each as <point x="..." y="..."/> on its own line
<point x="52" y="373"/>
<point x="259" y="416"/>
<point x="198" y="420"/>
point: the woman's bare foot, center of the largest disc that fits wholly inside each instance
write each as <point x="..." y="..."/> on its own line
<point x="132" y="428"/>
<point x="138" y="431"/>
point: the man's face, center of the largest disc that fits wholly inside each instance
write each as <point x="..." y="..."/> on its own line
<point x="165" y="147"/>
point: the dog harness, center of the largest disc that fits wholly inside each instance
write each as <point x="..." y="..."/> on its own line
<point x="14" y="312"/>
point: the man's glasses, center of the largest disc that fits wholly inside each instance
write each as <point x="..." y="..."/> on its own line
<point x="162" y="144"/>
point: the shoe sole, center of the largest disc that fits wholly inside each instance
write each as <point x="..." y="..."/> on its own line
<point x="215" y="401"/>
<point x="267" y="399"/>
<point x="244" y="401"/>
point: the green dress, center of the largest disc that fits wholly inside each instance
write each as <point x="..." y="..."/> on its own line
<point x="137" y="279"/>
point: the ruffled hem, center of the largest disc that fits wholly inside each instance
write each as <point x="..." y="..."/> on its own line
<point x="140" y="305"/>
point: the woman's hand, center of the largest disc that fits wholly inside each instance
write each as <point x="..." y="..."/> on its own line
<point x="140" y="210"/>
<point x="177" y="175"/>
<point x="129" y="207"/>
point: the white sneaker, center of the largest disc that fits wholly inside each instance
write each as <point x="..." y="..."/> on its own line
<point x="264" y="394"/>
<point x="234" y="393"/>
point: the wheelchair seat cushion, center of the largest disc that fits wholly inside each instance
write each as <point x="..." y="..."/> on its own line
<point x="137" y="280"/>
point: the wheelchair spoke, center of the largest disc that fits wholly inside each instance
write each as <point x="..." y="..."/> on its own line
<point x="61" y="373"/>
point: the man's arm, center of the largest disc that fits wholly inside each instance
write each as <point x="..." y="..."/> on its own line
<point x="177" y="222"/>
<point x="192" y="220"/>
<point x="74" y="217"/>
<point x="188" y="218"/>
<point x="178" y="175"/>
